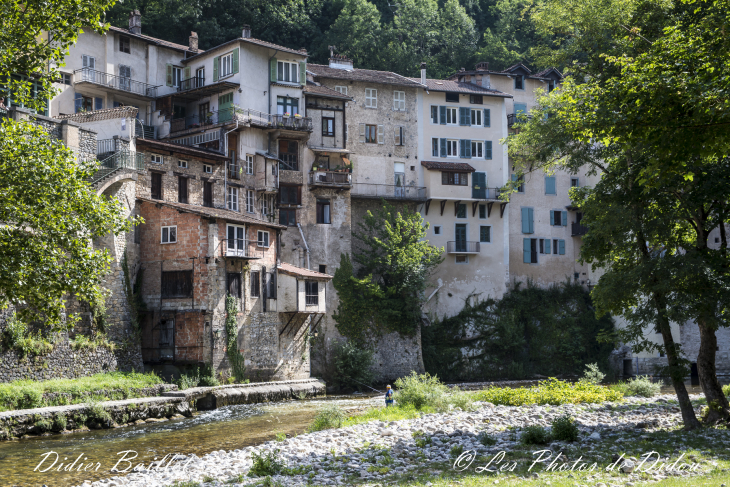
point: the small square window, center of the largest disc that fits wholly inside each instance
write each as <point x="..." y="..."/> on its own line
<point x="717" y="239"/>
<point x="437" y="229"/>
<point x="65" y="78"/>
<point x="462" y="259"/>
<point x="341" y="89"/>
<point x="169" y="234"/>
<point x="323" y="268"/>
<point x="156" y="159"/>
<point x="573" y="182"/>
<point x="452" y="97"/>
<point x="124" y="44"/>
<point x="476" y="100"/>
<point x="262" y="238"/>
<point x="182" y="164"/>
<point x="207" y="169"/>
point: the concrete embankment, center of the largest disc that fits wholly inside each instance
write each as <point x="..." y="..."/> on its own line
<point x="171" y="404"/>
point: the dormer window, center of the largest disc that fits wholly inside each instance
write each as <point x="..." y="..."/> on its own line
<point x="519" y="82"/>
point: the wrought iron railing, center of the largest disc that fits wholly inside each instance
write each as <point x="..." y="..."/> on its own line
<point x="119" y="160"/>
<point x="113" y="81"/>
<point x="191" y="83"/>
<point x="245" y="116"/>
<point x="253" y="117"/>
<point x="292" y="123"/>
<point x="202" y="120"/>
<point x="240" y="248"/>
<point x="388" y="191"/>
<point x="517" y="118"/>
<point x="577" y="230"/>
<point x="486" y="193"/>
<point x="462" y="247"/>
<point x="330" y="178"/>
<point x="106" y="146"/>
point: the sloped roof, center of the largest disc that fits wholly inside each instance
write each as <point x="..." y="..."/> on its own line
<point x="448" y="166"/>
<point x="319" y="90"/>
<point x="302" y="272"/>
<point x="462" y="87"/>
<point x="227" y="215"/>
<point x="367" y="75"/>
<point x="250" y="40"/>
<point x="152" y="40"/>
<point x="98" y="115"/>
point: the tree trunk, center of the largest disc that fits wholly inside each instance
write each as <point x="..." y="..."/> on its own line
<point x="719" y="409"/>
<point x="676" y="371"/>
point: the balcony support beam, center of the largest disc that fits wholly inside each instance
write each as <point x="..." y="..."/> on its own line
<point x="474" y="208"/>
<point x="502" y="206"/>
<point x="443" y="205"/>
<point x="428" y="203"/>
<point x="489" y="208"/>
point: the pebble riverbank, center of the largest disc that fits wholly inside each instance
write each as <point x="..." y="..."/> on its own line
<point x="379" y="451"/>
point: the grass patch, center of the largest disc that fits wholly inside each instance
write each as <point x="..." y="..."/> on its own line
<point x="266" y="464"/>
<point x="329" y="417"/>
<point x="639" y="386"/>
<point x="26" y="394"/>
<point x="551" y="391"/>
<point x="427" y="391"/>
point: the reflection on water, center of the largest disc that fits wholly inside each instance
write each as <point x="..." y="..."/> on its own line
<point x="227" y="428"/>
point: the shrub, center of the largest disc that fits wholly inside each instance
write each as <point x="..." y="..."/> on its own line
<point x="639" y="386"/>
<point x="96" y="412"/>
<point x="456" y="450"/>
<point x="59" y="422"/>
<point x="460" y="399"/>
<point x="593" y="374"/>
<point x="535" y="435"/>
<point x="420" y="391"/>
<point x="486" y="439"/>
<point x="726" y="390"/>
<point x="189" y="380"/>
<point x="551" y="391"/>
<point x="329" y="417"/>
<point x="353" y="365"/>
<point x="209" y="381"/>
<point x="266" y="464"/>
<point x="564" y="429"/>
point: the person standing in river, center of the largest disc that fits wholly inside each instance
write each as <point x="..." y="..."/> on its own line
<point x="388" y="396"/>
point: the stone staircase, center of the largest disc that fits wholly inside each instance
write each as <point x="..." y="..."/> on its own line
<point x="116" y="163"/>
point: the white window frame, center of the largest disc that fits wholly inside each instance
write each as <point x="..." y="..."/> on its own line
<point x="371" y="98"/>
<point x="157" y="159"/>
<point x="249" y="164"/>
<point x="452" y="148"/>
<point x="233" y="249"/>
<point x="232" y="198"/>
<point x="177" y="73"/>
<point x="259" y="241"/>
<point x="477" y="117"/>
<point x="250" y="201"/>
<point x="182" y="164"/>
<point x="453" y="114"/>
<point x="226" y="65"/>
<point x="399" y="101"/>
<point x="287" y="72"/>
<point x="341" y="89"/>
<point x="264" y="205"/>
<point x="439" y="232"/>
<point x="162" y="234"/>
<point x="434" y="121"/>
<point x="435" y="148"/>
<point x="477" y="149"/>
<point x="398" y="135"/>
<point x="207" y="169"/>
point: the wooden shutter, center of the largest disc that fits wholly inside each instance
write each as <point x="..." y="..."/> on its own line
<point x="549" y="185"/>
<point x="467" y="145"/>
<point x="526" y="253"/>
<point x="462" y="148"/>
<point x="487" y="118"/>
<point x="443" y="147"/>
<point x="488" y="149"/>
<point x="442" y="115"/>
<point x="186" y="72"/>
<point x="564" y="220"/>
<point x="531" y="219"/>
<point x="464" y="116"/>
<point x="381" y="134"/>
<point x="547" y="246"/>
<point x="272" y="70"/>
<point x="526" y="220"/>
<point x="396" y="135"/>
<point x="177" y="284"/>
<point x="362" y="132"/>
<point x="552" y="217"/>
<point x="168" y="81"/>
<point x="302" y="73"/>
<point x="561" y="247"/>
<point x="216" y="66"/>
<point x="234" y="60"/>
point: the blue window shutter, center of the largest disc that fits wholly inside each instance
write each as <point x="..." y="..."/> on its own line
<point x="526" y="250"/>
<point x="514" y="177"/>
<point x="550" y="185"/>
<point x="547" y="245"/>
<point x="520" y="108"/>
<point x="564" y="220"/>
<point x="442" y="115"/>
<point x="487" y="117"/>
<point x="488" y="151"/>
<point x="561" y="247"/>
<point x="467" y="144"/>
<point x="525" y="220"/>
<point x="531" y="218"/>
<point x="443" y="147"/>
<point x="98" y="103"/>
<point x="464" y="116"/>
<point x="434" y="114"/>
<point x="552" y="217"/>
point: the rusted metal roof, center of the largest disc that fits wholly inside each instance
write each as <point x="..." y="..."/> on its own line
<point x="448" y="166"/>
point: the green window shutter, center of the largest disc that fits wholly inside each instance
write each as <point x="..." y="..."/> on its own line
<point x="526" y="250"/>
<point x="442" y="116"/>
<point x="186" y="72"/>
<point x="525" y="220"/>
<point x="550" y="185"/>
<point x="216" y="64"/>
<point x="272" y="70"/>
<point x="234" y="60"/>
<point x="520" y="108"/>
<point x="565" y="219"/>
<point x="488" y="151"/>
<point x="443" y="147"/>
<point x="464" y="116"/>
<point x="168" y="80"/>
<point x="302" y="73"/>
<point x="362" y="133"/>
<point x="467" y="143"/>
<point x="514" y="177"/>
<point x="547" y="245"/>
<point x="561" y="247"/>
<point x="487" y="117"/>
<point x="531" y="220"/>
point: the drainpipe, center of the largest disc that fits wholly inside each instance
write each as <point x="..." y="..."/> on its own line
<point x="225" y="169"/>
<point x="306" y="247"/>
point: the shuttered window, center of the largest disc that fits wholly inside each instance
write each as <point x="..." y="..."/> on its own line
<point x="550" y="185"/>
<point x="529" y="250"/>
<point x="255" y="284"/>
<point x="488" y="149"/>
<point x="528" y="225"/>
<point x="177" y="284"/>
<point x="182" y="189"/>
<point x="156" y="189"/>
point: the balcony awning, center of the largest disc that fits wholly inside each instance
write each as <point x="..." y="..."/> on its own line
<point x="295" y="271"/>
<point x="448" y="166"/>
<point x="333" y="150"/>
<point x="267" y="155"/>
<point x="205" y="90"/>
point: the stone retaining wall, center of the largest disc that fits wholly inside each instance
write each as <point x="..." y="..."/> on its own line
<point x="153" y="391"/>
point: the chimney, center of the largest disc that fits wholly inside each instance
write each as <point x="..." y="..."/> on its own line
<point x="246" y="33"/>
<point x="483" y="66"/>
<point x="135" y="22"/>
<point x="339" y="61"/>
<point x="423" y="73"/>
<point x="193" y="43"/>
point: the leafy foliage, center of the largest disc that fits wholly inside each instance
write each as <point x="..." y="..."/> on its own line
<point x="551" y="391"/>
<point x="535" y="435"/>
<point x="530" y="330"/>
<point x="268" y="463"/>
<point x="593" y="374"/>
<point x="235" y="357"/>
<point x="427" y="392"/>
<point x="18" y="336"/>
<point x="638" y="386"/>
<point x="329" y="417"/>
<point x="353" y="365"/>
<point x="564" y="428"/>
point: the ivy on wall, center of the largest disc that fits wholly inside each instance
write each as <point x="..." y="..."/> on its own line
<point x="235" y="357"/>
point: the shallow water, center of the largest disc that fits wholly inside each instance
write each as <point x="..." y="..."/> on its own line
<point x="227" y="428"/>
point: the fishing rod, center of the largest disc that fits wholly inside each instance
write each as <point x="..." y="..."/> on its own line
<point x="381" y="392"/>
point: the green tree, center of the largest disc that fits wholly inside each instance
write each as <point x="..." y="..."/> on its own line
<point x="357" y="33"/>
<point x="51" y="215"/>
<point x="457" y="41"/>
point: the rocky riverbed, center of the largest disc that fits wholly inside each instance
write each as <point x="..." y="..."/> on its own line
<point x="611" y="435"/>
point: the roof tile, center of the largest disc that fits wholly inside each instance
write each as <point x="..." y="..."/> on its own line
<point x="373" y="76"/>
<point x="231" y="216"/>
<point x="448" y="166"/>
<point x="301" y="272"/>
<point x="462" y="87"/>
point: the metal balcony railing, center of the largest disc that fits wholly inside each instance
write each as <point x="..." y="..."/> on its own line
<point x="191" y="83"/>
<point x="256" y="118"/>
<point x="148" y="131"/>
<point x="486" y="193"/>
<point x="86" y="75"/>
<point x="517" y="118"/>
<point x="388" y="192"/>
<point x="245" y="116"/>
<point x="311" y="299"/>
<point x="328" y="178"/>
<point x="107" y="146"/>
<point x="119" y="160"/>
<point x="202" y="120"/>
<point x="578" y="230"/>
<point x="292" y="123"/>
<point x="462" y="247"/>
<point x="241" y="248"/>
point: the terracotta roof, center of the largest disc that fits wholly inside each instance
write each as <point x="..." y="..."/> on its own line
<point x="302" y="272"/>
<point x="250" y="40"/>
<point x="230" y="216"/>
<point x="544" y="73"/>
<point x="97" y="115"/>
<point x="462" y="87"/>
<point x="319" y="90"/>
<point x="367" y="75"/>
<point x="448" y="166"/>
<point x="181" y="149"/>
<point x="153" y="40"/>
